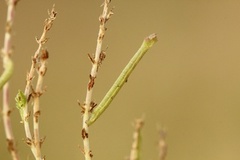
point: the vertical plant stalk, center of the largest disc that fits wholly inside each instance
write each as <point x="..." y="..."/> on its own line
<point x="38" y="65"/>
<point x="8" y="70"/>
<point x="41" y="70"/>
<point x="162" y="145"/>
<point x="135" y="150"/>
<point x="96" y="61"/>
<point x="122" y="78"/>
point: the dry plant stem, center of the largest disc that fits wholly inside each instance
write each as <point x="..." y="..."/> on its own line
<point x="36" y="107"/>
<point x="135" y="150"/>
<point x="8" y="70"/>
<point x="96" y="60"/>
<point x="146" y="45"/>
<point x="162" y="145"/>
<point x="38" y="63"/>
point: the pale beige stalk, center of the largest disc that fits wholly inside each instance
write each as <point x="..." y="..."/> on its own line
<point x="162" y="144"/>
<point x="8" y="68"/>
<point x="36" y="107"/>
<point x="96" y="61"/>
<point x="135" y="150"/>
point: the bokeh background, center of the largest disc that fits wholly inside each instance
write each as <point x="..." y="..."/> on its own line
<point x="188" y="83"/>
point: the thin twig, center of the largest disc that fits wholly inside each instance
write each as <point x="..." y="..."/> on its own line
<point x="38" y="65"/>
<point x="96" y="61"/>
<point x="135" y="150"/>
<point x="146" y="45"/>
<point x="8" y="70"/>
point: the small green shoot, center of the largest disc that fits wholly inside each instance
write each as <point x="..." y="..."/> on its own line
<point x="21" y="102"/>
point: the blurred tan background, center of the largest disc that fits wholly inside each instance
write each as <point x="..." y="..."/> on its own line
<point x="189" y="82"/>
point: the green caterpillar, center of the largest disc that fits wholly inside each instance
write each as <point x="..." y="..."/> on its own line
<point x="146" y="45"/>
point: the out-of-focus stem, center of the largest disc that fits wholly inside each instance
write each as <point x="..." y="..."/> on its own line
<point x="135" y="150"/>
<point x="162" y="144"/>
<point x="7" y="73"/>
